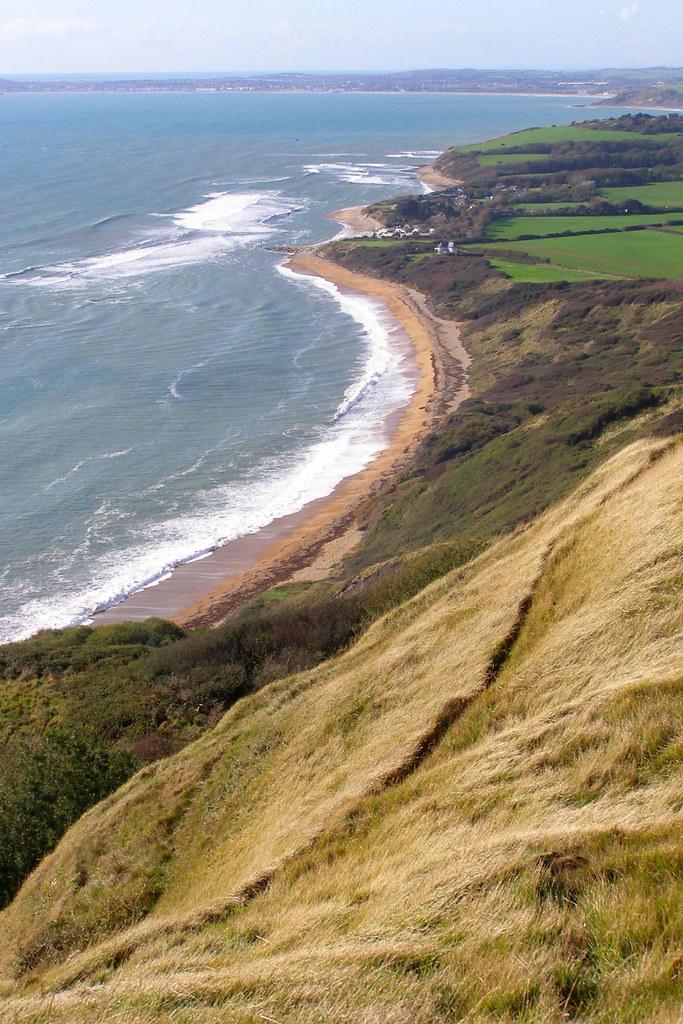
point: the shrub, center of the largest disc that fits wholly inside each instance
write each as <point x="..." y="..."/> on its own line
<point x="51" y="784"/>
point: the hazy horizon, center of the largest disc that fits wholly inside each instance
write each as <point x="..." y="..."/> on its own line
<point x="255" y="72"/>
<point x="129" y="37"/>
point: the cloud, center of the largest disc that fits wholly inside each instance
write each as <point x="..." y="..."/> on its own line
<point x="629" y="11"/>
<point x="17" y="29"/>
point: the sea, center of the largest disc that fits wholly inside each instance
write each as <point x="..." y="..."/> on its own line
<point x="166" y="384"/>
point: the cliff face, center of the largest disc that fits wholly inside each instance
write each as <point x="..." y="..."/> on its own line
<point x="668" y="98"/>
<point x="474" y="813"/>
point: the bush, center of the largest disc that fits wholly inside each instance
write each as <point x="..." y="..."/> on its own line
<point x="51" y="784"/>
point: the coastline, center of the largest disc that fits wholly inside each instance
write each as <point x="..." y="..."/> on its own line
<point x="434" y="179"/>
<point x="355" y="221"/>
<point x="308" y="544"/>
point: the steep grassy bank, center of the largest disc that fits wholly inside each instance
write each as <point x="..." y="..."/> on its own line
<point x="81" y="709"/>
<point x="473" y="814"/>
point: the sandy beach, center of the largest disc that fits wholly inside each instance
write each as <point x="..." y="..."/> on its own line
<point x="355" y="221"/>
<point x="308" y="544"/>
<point x="435" y="179"/>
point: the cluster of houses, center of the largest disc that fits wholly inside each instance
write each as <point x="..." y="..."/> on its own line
<point x="410" y="231"/>
<point x="403" y="231"/>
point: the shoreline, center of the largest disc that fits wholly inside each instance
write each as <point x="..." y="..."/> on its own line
<point x="324" y="92"/>
<point x="355" y="221"/>
<point x="307" y="544"/>
<point x="434" y="179"/>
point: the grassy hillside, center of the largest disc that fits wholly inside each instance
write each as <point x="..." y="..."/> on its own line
<point x="443" y="784"/>
<point x="474" y="814"/>
<point x="589" y="132"/>
<point x="562" y="375"/>
<point x="81" y="709"/>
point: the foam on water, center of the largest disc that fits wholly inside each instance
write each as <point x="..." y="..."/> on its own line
<point x="79" y="465"/>
<point x="221" y="222"/>
<point x="242" y="215"/>
<point x="370" y="173"/>
<point x="416" y="154"/>
<point x="376" y="324"/>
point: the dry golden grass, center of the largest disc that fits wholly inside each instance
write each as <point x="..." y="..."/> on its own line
<point x="473" y="815"/>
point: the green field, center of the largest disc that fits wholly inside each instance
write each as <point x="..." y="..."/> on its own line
<point x="631" y="254"/>
<point x="556" y="133"/>
<point x="535" y="206"/>
<point x="541" y="273"/>
<point x="662" y="193"/>
<point x="513" y="227"/>
<point x="493" y="159"/>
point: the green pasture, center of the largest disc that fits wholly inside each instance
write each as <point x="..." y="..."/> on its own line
<point x="559" y="133"/>
<point x="534" y="205"/>
<point x="492" y="159"/>
<point x="513" y="227"/>
<point x="541" y="273"/>
<point x="661" y="193"/>
<point x="629" y="254"/>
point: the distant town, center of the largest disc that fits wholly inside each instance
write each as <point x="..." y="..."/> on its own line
<point x="639" y="87"/>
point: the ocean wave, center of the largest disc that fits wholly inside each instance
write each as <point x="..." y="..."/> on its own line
<point x="19" y="273"/>
<point x="79" y="465"/>
<point x="106" y="221"/>
<point x="242" y="215"/>
<point x="224" y="514"/>
<point x="371" y="316"/>
<point x="365" y="173"/>
<point x="227" y="514"/>
<point x="200" y="233"/>
<point x="281" y="486"/>
<point x="416" y="154"/>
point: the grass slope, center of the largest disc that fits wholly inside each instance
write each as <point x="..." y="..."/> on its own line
<point x="473" y="814"/>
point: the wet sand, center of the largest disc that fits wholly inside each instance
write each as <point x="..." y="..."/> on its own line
<point x="309" y="543"/>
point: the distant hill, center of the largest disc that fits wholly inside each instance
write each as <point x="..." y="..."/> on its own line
<point x="666" y="97"/>
<point x="592" y="82"/>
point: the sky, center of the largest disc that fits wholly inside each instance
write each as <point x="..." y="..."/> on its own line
<point x="45" y="36"/>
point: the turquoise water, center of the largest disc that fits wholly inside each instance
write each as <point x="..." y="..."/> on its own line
<point x="164" y="386"/>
